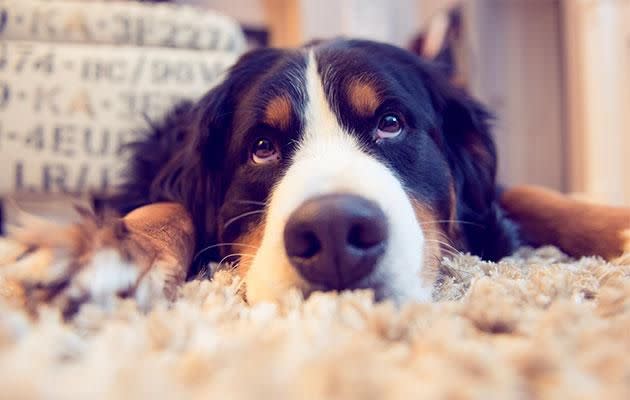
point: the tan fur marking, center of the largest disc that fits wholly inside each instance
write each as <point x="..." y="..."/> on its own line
<point x="433" y="235"/>
<point x="363" y="97"/>
<point x="278" y="112"/>
<point x="157" y="238"/>
<point x="453" y="226"/>
<point x="161" y="231"/>
<point x="577" y="227"/>
<point x="251" y="242"/>
<point x="626" y="240"/>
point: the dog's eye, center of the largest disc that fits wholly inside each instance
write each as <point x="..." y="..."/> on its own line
<point x="389" y="126"/>
<point x="264" y="151"/>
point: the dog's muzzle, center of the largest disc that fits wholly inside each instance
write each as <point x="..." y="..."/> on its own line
<point x="335" y="240"/>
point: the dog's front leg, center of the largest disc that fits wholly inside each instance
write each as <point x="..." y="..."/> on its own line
<point x="145" y="255"/>
<point x="577" y="227"/>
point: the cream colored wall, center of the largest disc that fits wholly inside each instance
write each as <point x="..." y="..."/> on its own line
<point x="296" y="21"/>
<point x="250" y="12"/>
<point x="384" y="20"/>
<point x="516" y="69"/>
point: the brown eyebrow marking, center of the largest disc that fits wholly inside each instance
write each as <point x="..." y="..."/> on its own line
<point x="363" y="97"/>
<point x="278" y="112"/>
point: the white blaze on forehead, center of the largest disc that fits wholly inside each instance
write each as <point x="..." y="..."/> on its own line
<point x="330" y="160"/>
<point x="319" y="116"/>
<point x="322" y="129"/>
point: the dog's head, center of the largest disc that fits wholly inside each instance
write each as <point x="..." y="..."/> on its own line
<point x="347" y="164"/>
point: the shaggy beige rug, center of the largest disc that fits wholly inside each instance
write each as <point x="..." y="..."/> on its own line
<point x="534" y="326"/>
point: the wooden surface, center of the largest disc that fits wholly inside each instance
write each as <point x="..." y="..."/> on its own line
<point x="285" y="21"/>
<point x="597" y="34"/>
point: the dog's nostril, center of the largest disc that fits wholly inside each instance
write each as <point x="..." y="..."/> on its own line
<point x="366" y="235"/>
<point x="355" y="238"/>
<point x="306" y="245"/>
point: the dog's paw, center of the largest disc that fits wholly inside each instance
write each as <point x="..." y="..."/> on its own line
<point x="98" y="260"/>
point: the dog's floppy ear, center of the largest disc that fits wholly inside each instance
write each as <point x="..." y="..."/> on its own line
<point x="189" y="175"/>
<point x="177" y="160"/>
<point x="463" y="126"/>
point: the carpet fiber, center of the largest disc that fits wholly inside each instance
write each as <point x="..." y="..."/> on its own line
<point x="534" y="326"/>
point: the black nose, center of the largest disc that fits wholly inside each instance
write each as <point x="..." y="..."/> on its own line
<point x="335" y="240"/>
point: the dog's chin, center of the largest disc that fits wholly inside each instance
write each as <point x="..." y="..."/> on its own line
<point x="381" y="291"/>
<point x="385" y="289"/>
<point x="385" y="284"/>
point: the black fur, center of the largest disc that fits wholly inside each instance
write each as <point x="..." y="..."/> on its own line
<point x="466" y="127"/>
<point x="198" y="155"/>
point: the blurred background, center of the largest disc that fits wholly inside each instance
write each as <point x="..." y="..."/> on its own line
<point x="79" y="77"/>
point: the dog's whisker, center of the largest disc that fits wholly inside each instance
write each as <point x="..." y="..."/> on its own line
<point x="445" y="252"/>
<point x="228" y="257"/>
<point x="459" y="221"/>
<point x="240" y="255"/>
<point x="258" y="203"/>
<point x="448" y="246"/>
<point x="441" y="234"/>
<point x="243" y="215"/>
<point x="200" y="252"/>
<point x="449" y="253"/>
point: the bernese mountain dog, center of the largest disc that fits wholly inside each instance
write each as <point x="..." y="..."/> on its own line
<point x="339" y="165"/>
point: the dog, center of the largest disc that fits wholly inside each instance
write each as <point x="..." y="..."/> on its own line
<point x="346" y="164"/>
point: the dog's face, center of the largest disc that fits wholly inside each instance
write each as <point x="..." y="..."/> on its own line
<point x="343" y="165"/>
